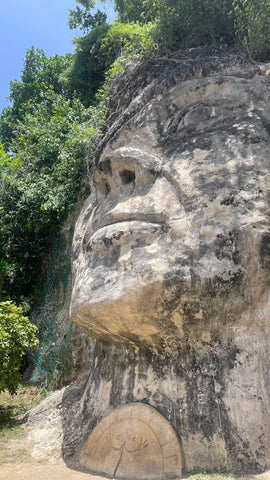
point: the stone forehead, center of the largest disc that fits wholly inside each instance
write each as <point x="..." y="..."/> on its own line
<point x="137" y="86"/>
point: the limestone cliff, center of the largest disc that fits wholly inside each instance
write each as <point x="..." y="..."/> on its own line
<point x="171" y="274"/>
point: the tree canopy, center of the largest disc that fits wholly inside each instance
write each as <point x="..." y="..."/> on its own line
<point x="84" y="18"/>
<point x="45" y="130"/>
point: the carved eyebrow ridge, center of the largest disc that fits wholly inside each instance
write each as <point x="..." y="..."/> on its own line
<point x="173" y="123"/>
<point x="133" y="155"/>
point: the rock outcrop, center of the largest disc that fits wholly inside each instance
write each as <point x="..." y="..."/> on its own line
<point x="171" y="265"/>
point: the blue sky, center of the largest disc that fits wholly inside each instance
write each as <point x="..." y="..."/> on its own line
<point x="41" y="23"/>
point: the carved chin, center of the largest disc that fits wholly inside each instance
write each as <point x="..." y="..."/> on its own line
<point x="152" y="309"/>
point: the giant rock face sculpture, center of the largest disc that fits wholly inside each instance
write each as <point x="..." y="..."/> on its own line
<point x="171" y="251"/>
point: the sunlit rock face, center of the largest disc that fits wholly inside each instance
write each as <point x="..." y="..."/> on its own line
<point x="171" y="257"/>
<point x="177" y="226"/>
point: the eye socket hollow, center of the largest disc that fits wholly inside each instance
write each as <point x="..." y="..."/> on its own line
<point x="107" y="189"/>
<point x="127" y="176"/>
<point x="105" y="167"/>
<point x="103" y="188"/>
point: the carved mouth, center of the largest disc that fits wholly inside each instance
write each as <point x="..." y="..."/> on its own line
<point x="116" y="233"/>
<point x="113" y="218"/>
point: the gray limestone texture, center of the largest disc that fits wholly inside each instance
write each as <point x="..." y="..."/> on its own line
<point x="171" y="259"/>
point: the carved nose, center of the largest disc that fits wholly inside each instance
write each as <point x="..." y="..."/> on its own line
<point x="155" y="202"/>
<point x="121" y="178"/>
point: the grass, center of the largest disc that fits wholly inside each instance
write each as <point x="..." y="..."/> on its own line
<point x="217" y="476"/>
<point x="12" y="430"/>
<point x="13" y="407"/>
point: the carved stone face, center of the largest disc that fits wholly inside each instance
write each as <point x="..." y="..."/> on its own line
<point x="177" y="224"/>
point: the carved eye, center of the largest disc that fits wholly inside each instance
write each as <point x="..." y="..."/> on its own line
<point x="102" y="188"/>
<point x="106" y="189"/>
<point x="105" y="167"/>
<point x="127" y="176"/>
<point x="198" y="115"/>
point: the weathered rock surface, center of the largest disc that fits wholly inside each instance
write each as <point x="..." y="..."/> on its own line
<point x="171" y="263"/>
<point x="45" y="432"/>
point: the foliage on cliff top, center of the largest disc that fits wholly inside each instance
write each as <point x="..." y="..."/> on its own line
<point x="188" y="23"/>
<point x="252" y="26"/>
<point x="182" y="23"/>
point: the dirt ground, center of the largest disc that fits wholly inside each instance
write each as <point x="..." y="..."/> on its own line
<point x="24" y="471"/>
<point x="20" y="465"/>
<point x="16" y="463"/>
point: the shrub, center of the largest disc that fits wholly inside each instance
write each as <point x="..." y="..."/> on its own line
<point x="252" y="26"/>
<point x="17" y="334"/>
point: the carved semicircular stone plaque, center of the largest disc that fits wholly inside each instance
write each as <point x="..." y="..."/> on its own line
<point x="133" y="442"/>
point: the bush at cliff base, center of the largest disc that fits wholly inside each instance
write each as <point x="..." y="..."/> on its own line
<point x="17" y="334"/>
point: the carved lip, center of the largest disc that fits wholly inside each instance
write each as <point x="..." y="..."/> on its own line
<point x="122" y="231"/>
<point x="121" y="218"/>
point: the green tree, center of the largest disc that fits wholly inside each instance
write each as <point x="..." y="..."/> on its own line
<point x="9" y="167"/>
<point x="142" y="11"/>
<point x="97" y="51"/>
<point x="40" y="76"/>
<point x="39" y="194"/>
<point x="127" y="40"/>
<point x="49" y="134"/>
<point x="84" y="18"/>
<point x="87" y="71"/>
<point x="17" y="334"/>
<point x="252" y="26"/>
<point x="186" y="23"/>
